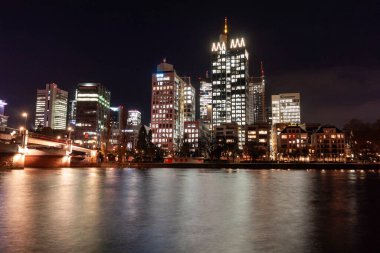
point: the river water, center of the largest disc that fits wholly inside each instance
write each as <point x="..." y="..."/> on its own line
<point x="189" y="210"/>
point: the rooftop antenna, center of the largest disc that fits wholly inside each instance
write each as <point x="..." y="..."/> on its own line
<point x="225" y="26"/>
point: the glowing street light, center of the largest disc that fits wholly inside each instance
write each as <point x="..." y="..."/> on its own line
<point x="70" y="129"/>
<point x="25" y="115"/>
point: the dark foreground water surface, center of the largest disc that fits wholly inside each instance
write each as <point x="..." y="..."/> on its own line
<point x="189" y="210"/>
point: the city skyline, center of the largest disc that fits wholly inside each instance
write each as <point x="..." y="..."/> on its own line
<point x="321" y="57"/>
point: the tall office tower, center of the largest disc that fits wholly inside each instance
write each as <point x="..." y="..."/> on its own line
<point x="92" y="114"/>
<point x="205" y="102"/>
<point x="133" y="128"/>
<point x="117" y="123"/>
<point x="189" y="100"/>
<point x="229" y="62"/>
<point x="256" y="99"/>
<point x="286" y="108"/>
<point x="134" y="118"/>
<point x="72" y="113"/>
<point x="167" y="115"/>
<point x="3" y="118"/>
<point x="51" y="107"/>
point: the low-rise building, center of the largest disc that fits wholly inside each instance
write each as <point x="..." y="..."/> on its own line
<point x="257" y="139"/>
<point x="328" y="144"/>
<point x="292" y="144"/>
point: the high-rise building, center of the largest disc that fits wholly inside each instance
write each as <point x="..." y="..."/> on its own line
<point x="229" y="62"/>
<point x="133" y="128"/>
<point x="286" y="108"/>
<point x="167" y="111"/>
<point x="51" y="107"/>
<point x="205" y="102"/>
<point x="72" y="113"/>
<point x="117" y="124"/>
<point x="134" y="118"/>
<point x="188" y="100"/>
<point x="256" y="99"/>
<point x="92" y="114"/>
<point x="3" y="118"/>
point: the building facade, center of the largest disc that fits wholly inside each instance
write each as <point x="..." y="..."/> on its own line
<point x="229" y="63"/>
<point x="286" y="108"/>
<point x="328" y="144"/>
<point x="188" y="100"/>
<point x="256" y="100"/>
<point x="72" y="112"/>
<point x="133" y="128"/>
<point x="3" y="118"/>
<point x="92" y="114"/>
<point x="167" y="108"/>
<point x="51" y="107"/>
<point x="205" y="101"/>
<point x="117" y="125"/>
<point x="292" y="143"/>
<point x="134" y="118"/>
<point x="257" y="140"/>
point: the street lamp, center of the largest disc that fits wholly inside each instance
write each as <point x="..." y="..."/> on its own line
<point x="25" y="115"/>
<point x="70" y="129"/>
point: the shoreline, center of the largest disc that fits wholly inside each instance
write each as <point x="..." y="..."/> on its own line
<point x="248" y="166"/>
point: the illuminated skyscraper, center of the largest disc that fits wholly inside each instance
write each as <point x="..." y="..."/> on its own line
<point x="167" y="111"/>
<point x="286" y="108"/>
<point x="256" y="99"/>
<point x="229" y="62"/>
<point x="188" y="100"/>
<point x="92" y="114"/>
<point x="3" y="118"/>
<point x="205" y="102"/>
<point x="72" y="113"/>
<point x="134" y="118"/>
<point x="51" y="107"/>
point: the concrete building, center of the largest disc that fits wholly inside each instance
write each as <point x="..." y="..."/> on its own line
<point x="229" y="62"/>
<point x="227" y="133"/>
<point x="292" y="144"/>
<point x="3" y="118"/>
<point x="286" y="108"/>
<point x="116" y="126"/>
<point x="133" y="128"/>
<point x="328" y="144"/>
<point x="51" y="107"/>
<point x="256" y="100"/>
<point x="134" y="118"/>
<point x="72" y="112"/>
<point x="197" y="134"/>
<point x="258" y="137"/>
<point x="92" y="115"/>
<point x="167" y="110"/>
<point x="205" y="102"/>
<point x="188" y="100"/>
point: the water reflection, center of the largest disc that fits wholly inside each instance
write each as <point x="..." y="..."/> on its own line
<point x="188" y="210"/>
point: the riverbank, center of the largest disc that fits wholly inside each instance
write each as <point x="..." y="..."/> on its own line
<point x="301" y="166"/>
<point x="251" y="166"/>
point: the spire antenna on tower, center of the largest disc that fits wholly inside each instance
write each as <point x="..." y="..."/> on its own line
<point x="262" y="69"/>
<point x="225" y="26"/>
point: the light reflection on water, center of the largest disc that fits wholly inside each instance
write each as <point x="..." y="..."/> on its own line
<point x="188" y="210"/>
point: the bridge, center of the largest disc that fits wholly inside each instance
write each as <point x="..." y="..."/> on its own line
<point x="20" y="148"/>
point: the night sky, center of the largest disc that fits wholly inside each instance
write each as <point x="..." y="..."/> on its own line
<point x="329" y="51"/>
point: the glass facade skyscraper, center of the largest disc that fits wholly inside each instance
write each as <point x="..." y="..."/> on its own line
<point x="256" y="100"/>
<point x="286" y="108"/>
<point x="92" y="114"/>
<point x="205" y="101"/>
<point x="51" y="107"/>
<point x="229" y="63"/>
